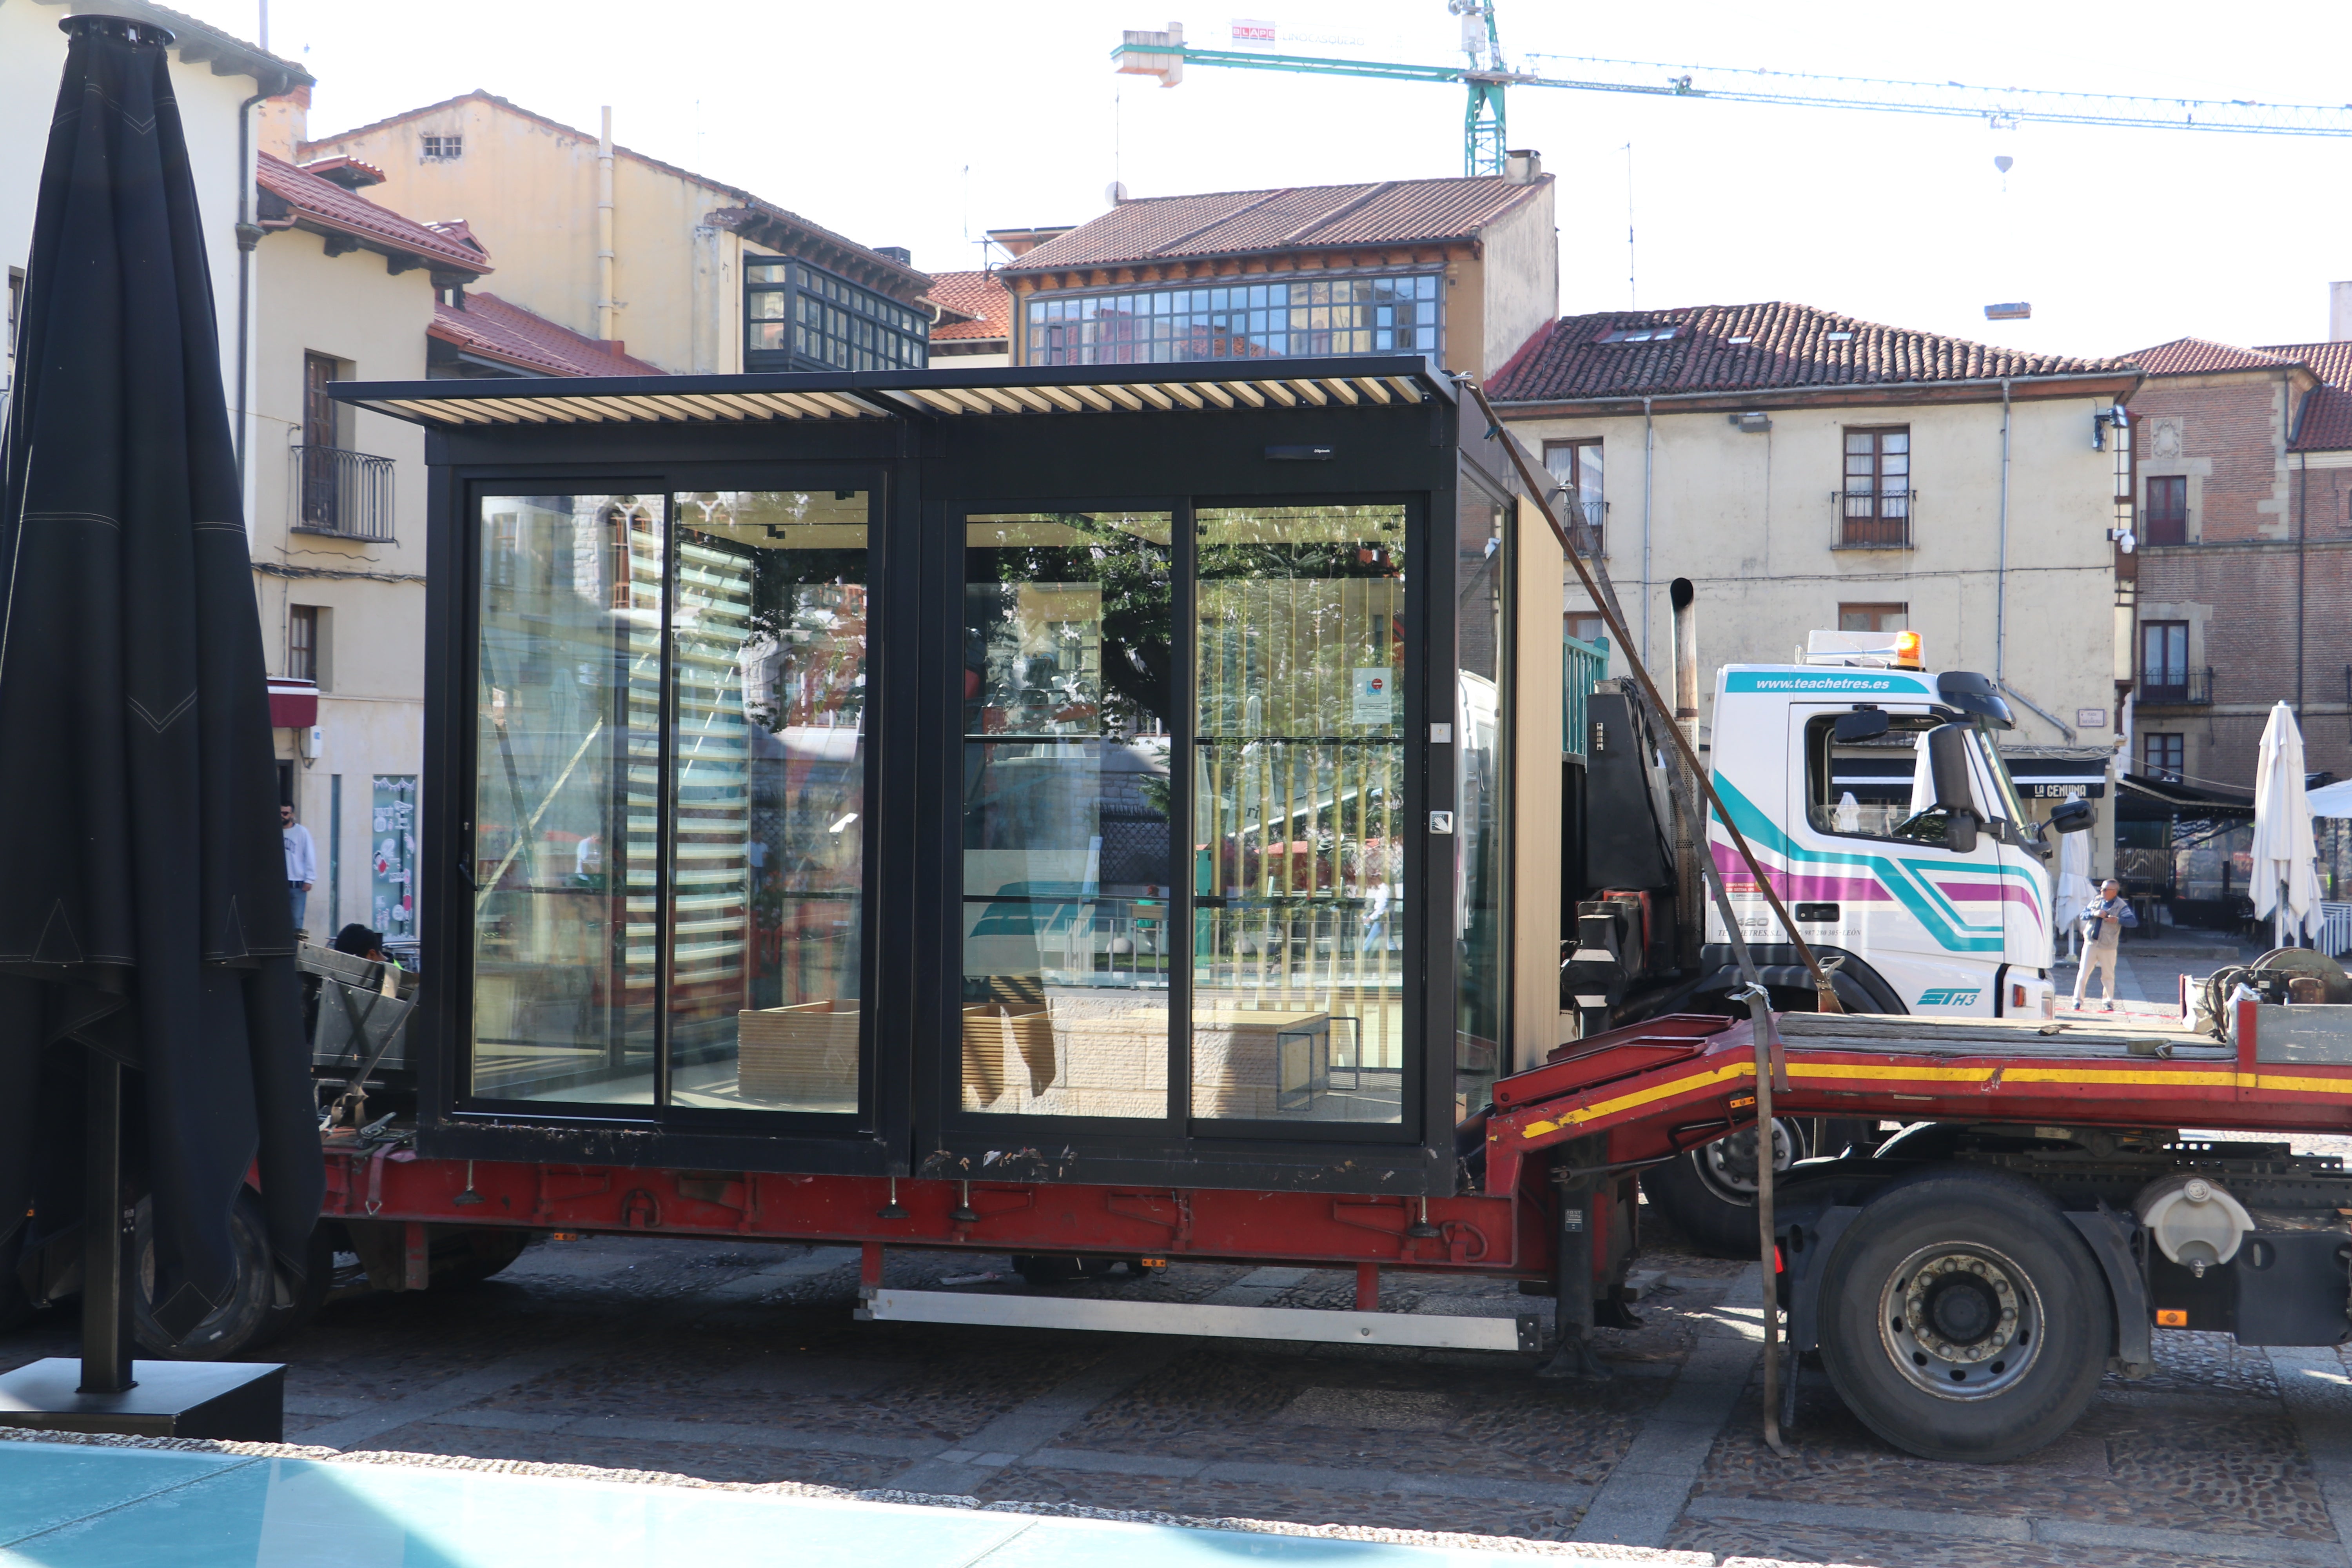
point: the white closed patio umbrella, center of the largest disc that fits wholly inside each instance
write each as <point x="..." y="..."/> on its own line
<point x="2286" y="876"/>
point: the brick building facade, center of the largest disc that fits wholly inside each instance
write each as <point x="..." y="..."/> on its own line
<point x="2241" y="475"/>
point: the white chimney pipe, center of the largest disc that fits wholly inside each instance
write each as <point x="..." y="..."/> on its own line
<point x="606" y="304"/>
<point x="2339" y="312"/>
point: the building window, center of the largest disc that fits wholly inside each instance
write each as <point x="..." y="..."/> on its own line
<point x="1586" y="625"/>
<point x="2164" y="661"/>
<point x="302" y="642"/>
<point x="797" y="317"/>
<point x="444" y="149"/>
<point x="2164" y="756"/>
<point x="1877" y="499"/>
<point x="1384" y="314"/>
<point x="2168" y="511"/>
<point x="1874" y="617"/>
<point x="1639" y="335"/>
<point x="1577" y="465"/>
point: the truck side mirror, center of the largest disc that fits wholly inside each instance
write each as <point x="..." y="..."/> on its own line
<point x="2072" y="817"/>
<point x="1948" y="770"/>
<point x="1861" y="724"/>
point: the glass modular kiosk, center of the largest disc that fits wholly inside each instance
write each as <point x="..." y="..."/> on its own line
<point x="1064" y="774"/>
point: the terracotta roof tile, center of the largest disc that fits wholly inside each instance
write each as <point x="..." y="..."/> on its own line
<point x="2325" y="423"/>
<point x="2196" y="356"/>
<point x="1225" y="223"/>
<point x="977" y="295"/>
<point x="303" y="196"/>
<point x="493" y="329"/>
<point x="1769" y="346"/>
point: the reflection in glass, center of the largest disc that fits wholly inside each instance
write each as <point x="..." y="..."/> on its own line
<point x="768" y="768"/>
<point x="1297" y="958"/>
<point x="1478" y="806"/>
<point x="1066" y="860"/>
<point x="568" y="698"/>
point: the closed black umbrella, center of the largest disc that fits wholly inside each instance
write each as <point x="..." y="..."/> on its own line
<point x="143" y="909"/>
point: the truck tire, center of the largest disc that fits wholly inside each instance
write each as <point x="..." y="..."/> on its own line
<point x="242" y="1322"/>
<point x="1962" y="1318"/>
<point x="1710" y="1193"/>
<point x="473" y="1256"/>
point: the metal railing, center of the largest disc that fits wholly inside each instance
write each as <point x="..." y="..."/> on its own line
<point x="2178" y="688"/>
<point x="1584" y="520"/>
<point x="1875" y="520"/>
<point x="346" y="494"/>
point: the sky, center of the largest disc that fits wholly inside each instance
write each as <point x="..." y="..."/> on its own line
<point x="908" y="122"/>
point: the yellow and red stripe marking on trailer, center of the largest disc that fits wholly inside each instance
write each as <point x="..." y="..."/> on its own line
<point x="1679" y="1087"/>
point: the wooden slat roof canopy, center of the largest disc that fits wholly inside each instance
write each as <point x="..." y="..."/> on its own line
<point x="1190" y="386"/>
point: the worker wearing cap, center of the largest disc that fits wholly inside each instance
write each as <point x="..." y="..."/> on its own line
<point x="2104" y="920"/>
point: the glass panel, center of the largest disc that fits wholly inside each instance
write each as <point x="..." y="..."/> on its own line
<point x="1478" y="805"/>
<point x="768" y="774"/>
<point x="564" y="797"/>
<point x="1067" y="855"/>
<point x="1297" y="958"/>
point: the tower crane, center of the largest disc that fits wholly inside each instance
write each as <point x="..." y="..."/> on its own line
<point x="1484" y="75"/>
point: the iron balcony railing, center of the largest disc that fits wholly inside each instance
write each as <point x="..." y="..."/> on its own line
<point x="346" y="494"/>
<point x="1875" y="520"/>
<point x="2177" y="687"/>
<point x="1585" y="520"/>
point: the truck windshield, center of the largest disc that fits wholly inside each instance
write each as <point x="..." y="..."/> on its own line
<point x="2008" y="805"/>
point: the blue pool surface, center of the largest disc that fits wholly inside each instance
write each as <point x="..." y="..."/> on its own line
<point x="67" y="1506"/>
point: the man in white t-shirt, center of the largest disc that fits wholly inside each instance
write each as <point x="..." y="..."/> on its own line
<point x="301" y="863"/>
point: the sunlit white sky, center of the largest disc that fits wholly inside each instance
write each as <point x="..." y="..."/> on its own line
<point x="916" y="123"/>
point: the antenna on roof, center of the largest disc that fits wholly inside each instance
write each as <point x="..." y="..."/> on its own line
<point x="1115" y="193"/>
<point x="1633" y="297"/>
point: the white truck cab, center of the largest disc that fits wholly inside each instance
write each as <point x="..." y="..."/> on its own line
<point x="1944" y="899"/>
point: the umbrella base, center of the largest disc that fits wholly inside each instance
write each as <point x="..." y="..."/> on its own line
<point x="240" y="1401"/>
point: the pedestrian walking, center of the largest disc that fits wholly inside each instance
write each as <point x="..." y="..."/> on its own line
<point x="302" y="865"/>
<point x="2102" y="922"/>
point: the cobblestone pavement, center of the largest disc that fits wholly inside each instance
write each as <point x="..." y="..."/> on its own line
<point x="743" y="1363"/>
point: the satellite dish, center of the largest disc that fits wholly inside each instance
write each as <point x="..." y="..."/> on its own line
<point x="2003" y="162"/>
<point x="1115" y="193"/>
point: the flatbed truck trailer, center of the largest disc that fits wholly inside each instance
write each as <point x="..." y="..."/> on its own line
<point x="1964" y="1284"/>
<point x="1255" y="874"/>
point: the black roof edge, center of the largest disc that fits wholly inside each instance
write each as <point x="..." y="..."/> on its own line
<point x="1424" y="369"/>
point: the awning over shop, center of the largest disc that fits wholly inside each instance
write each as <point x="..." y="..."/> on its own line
<point x="1189" y="386"/>
<point x="1889" y="778"/>
<point x="293" y="704"/>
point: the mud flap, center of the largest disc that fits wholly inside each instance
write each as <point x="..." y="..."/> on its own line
<point x="2111" y="1244"/>
<point x="1805" y="1253"/>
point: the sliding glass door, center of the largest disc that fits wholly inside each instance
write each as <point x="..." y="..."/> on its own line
<point x="1068" y="863"/>
<point x="668" y="851"/>
<point x="1184" y="828"/>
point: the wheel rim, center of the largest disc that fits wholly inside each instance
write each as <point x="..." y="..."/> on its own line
<point x="1960" y="1321"/>
<point x="1727" y="1165"/>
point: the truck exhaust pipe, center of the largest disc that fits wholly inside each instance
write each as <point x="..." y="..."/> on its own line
<point x="1682" y="596"/>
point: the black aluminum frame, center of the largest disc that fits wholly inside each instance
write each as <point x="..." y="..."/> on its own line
<point x="925" y="473"/>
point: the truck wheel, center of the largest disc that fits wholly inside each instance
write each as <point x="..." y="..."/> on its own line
<point x="1710" y="1193"/>
<point x="1964" y="1318"/>
<point x="241" y="1322"/>
<point x="473" y="1256"/>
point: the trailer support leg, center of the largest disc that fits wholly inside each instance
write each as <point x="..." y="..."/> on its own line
<point x="869" y="1265"/>
<point x="1368" y="1287"/>
<point x="417" y="1256"/>
<point x="1572" y="1355"/>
